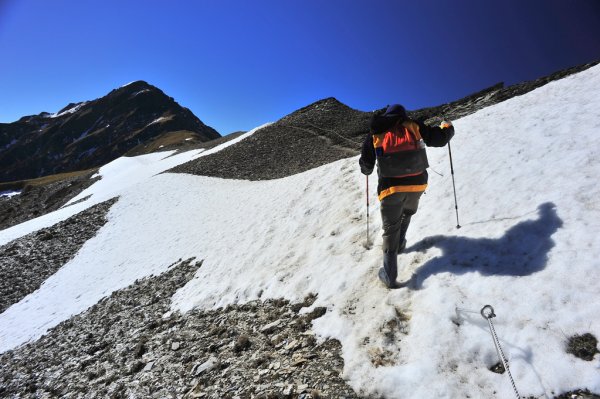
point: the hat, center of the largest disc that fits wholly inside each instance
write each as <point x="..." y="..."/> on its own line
<point x="395" y="110"/>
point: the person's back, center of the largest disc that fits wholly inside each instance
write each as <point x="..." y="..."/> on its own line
<point x="397" y="144"/>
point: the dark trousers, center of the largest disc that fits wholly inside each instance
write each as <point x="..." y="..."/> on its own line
<point x="393" y="207"/>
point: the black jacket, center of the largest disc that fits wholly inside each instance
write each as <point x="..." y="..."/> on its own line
<point x="432" y="136"/>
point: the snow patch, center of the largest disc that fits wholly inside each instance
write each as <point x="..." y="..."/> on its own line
<point x="71" y="110"/>
<point x="159" y="120"/>
<point x="116" y="177"/>
<point x="140" y="92"/>
<point x="8" y="194"/>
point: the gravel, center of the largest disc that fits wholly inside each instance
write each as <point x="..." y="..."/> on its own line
<point x="125" y="346"/>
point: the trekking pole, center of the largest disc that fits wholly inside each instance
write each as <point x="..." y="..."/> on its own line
<point x="367" y="245"/>
<point x="453" y="185"/>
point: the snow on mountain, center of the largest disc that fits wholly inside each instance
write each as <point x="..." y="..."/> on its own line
<point x="9" y="193"/>
<point x="70" y="110"/>
<point x="526" y="172"/>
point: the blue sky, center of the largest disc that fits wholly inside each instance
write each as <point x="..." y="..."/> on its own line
<point x="239" y="64"/>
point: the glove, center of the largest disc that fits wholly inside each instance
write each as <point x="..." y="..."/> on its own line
<point x="447" y="128"/>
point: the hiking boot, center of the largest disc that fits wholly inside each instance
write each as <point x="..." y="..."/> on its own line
<point x="385" y="279"/>
<point x="388" y="273"/>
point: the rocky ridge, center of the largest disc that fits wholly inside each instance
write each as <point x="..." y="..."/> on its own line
<point x="92" y="133"/>
<point x="490" y="96"/>
<point x="327" y="130"/>
<point x="320" y="133"/>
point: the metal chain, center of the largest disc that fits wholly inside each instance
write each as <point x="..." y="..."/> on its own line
<point x="488" y="316"/>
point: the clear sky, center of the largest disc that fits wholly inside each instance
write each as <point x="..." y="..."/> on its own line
<point x="239" y="64"/>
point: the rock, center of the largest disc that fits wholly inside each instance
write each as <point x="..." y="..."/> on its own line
<point x="139" y="349"/>
<point x="205" y="367"/>
<point x="196" y="392"/>
<point x="302" y="387"/>
<point x="299" y="361"/>
<point x="292" y="345"/>
<point x="45" y="235"/>
<point x="242" y="343"/>
<point x="136" y="367"/>
<point x="316" y="313"/>
<point x="148" y="366"/>
<point x="277" y="339"/>
<point x="275" y="365"/>
<point x="316" y="394"/>
<point x="271" y="327"/>
<point x="288" y="390"/>
<point x="175" y="346"/>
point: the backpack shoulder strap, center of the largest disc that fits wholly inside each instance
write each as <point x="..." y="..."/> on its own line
<point x="413" y="128"/>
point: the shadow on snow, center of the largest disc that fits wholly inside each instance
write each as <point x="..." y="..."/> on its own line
<point x="521" y="251"/>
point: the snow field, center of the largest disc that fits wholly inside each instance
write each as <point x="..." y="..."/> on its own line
<point x="526" y="173"/>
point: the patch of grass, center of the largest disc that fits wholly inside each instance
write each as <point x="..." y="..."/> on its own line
<point x="165" y="141"/>
<point x="42" y="181"/>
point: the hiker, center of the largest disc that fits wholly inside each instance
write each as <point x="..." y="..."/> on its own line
<point x="398" y="145"/>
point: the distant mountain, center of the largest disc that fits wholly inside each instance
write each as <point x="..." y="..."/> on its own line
<point x="92" y="133"/>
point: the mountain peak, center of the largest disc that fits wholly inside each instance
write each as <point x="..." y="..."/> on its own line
<point x="91" y="133"/>
<point x="135" y="88"/>
<point x="329" y="104"/>
<point x="136" y="84"/>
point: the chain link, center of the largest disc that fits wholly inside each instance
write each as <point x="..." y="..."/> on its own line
<point x="488" y="316"/>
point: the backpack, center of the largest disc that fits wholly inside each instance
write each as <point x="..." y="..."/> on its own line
<point x="400" y="151"/>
